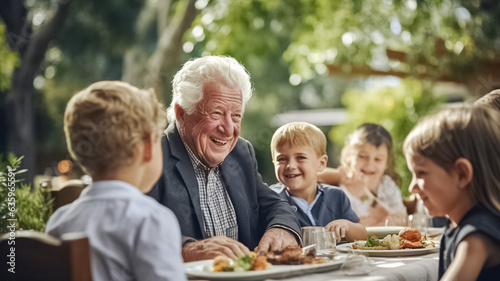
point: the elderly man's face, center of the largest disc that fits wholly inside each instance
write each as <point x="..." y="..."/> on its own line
<point x="213" y="129"/>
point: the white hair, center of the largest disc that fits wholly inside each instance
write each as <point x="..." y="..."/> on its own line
<point x="187" y="85"/>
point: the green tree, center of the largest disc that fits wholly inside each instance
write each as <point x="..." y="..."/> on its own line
<point x="292" y="48"/>
<point x="30" y="44"/>
<point x="316" y="40"/>
<point x="138" y="41"/>
<point x="436" y="38"/>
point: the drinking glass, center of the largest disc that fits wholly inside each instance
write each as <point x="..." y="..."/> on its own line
<point x="420" y="221"/>
<point x="396" y="220"/>
<point x="356" y="263"/>
<point x="307" y="234"/>
<point x="326" y="243"/>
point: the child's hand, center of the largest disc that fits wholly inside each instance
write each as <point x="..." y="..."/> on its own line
<point x="340" y="227"/>
<point x="355" y="182"/>
<point x="345" y="178"/>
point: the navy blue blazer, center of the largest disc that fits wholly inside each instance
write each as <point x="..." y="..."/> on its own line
<point x="257" y="207"/>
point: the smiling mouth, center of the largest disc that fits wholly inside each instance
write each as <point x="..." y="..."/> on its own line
<point x="219" y="142"/>
<point x="292" y="176"/>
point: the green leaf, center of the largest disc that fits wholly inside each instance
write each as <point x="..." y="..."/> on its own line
<point x="372" y="241"/>
<point x="32" y="205"/>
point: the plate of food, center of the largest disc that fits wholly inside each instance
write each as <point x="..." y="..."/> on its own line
<point x="408" y="242"/>
<point x="289" y="262"/>
<point x="383" y="231"/>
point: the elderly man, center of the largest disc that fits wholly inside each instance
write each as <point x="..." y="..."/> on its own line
<point x="210" y="178"/>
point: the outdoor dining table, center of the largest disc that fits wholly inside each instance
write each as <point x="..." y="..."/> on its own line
<point x="404" y="265"/>
<point x="410" y="268"/>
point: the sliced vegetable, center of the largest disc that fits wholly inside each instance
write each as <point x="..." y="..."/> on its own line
<point x="372" y="241"/>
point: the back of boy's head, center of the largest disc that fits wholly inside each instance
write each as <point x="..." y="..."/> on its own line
<point x="374" y="134"/>
<point x="299" y="134"/>
<point x="471" y="132"/>
<point x="491" y="99"/>
<point x="105" y="121"/>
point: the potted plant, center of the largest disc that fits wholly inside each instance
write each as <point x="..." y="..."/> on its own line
<point x="21" y="205"/>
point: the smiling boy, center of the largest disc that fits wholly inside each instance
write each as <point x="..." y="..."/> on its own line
<point x="299" y="153"/>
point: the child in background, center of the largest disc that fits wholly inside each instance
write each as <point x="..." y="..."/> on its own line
<point x="491" y="99"/>
<point x="299" y="153"/>
<point x="368" y="177"/>
<point x="113" y="131"/>
<point x="454" y="158"/>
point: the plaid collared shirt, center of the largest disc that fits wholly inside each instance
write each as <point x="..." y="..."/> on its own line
<point x="219" y="216"/>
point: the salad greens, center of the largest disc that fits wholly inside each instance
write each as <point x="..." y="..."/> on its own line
<point x="240" y="264"/>
<point x="372" y="241"/>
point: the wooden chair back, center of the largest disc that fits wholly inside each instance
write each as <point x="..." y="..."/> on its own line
<point x="39" y="256"/>
<point x="68" y="193"/>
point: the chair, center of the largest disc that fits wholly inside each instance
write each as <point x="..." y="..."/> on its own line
<point x="39" y="256"/>
<point x="67" y="193"/>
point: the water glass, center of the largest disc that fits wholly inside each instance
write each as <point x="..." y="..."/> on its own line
<point x="420" y="221"/>
<point x="307" y="234"/>
<point x="396" y="220"/>
<point x="326" y="243"/>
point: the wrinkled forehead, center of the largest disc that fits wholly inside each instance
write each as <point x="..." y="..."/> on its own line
<point x="222" y="93"/>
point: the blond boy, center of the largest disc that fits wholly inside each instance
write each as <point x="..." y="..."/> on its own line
<point x="113" y="131"/>
<point x="299" y="153"/>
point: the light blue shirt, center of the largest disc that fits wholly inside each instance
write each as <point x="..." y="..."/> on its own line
<point x="306" y="208"/>
<point x="132" y="237"/>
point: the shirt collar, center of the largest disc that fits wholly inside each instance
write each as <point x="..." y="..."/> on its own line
<point x="196" y="162"/>
<point x="110" y="188"/>
<point x="319" y="191"/>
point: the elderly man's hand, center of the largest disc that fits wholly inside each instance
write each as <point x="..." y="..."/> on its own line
<point x="275" y="239"/>
<point x="211" y="247"/>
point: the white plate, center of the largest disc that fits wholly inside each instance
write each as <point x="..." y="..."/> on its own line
<point x="383" y="231"/>
<point x="203" y="269"/>
<point x="389" y="253"/>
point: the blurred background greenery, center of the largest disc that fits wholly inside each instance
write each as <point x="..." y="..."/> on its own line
<point x="384" y="61"/>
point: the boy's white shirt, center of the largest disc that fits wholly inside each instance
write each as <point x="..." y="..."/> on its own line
<point x="132" y="236"/>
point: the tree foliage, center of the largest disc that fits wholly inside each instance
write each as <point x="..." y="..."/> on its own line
<point x="435" y="39"/>
<point x="438" y="37"/>
<point x="30" y="43"/>
<point x="9" y="61"/>
<point x="93" y="45"/>
<point x="277" y="40"/>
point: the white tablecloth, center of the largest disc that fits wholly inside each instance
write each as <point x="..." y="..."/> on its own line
<point x="417" y="268"/>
